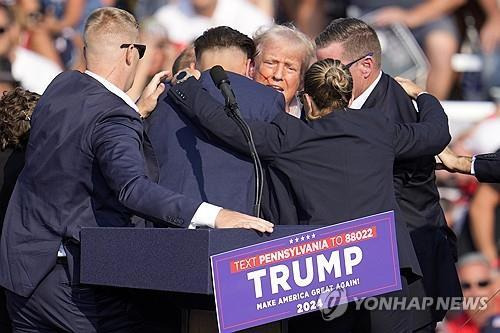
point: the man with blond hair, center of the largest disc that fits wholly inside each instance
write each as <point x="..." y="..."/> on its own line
<point x="85" y="167"/>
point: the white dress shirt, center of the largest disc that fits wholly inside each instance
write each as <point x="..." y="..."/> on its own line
<point x="358" y="102"/>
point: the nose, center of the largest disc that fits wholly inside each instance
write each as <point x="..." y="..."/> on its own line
<point x="278" y="72"/>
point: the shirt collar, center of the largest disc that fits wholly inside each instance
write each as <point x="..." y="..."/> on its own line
<point x="114" y="89"/>
<point x="295" y="108"/>
<point x="358" y="102"/>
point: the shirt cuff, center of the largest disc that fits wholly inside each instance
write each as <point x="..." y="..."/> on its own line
<point x="423" y="92"/>
<point x="205" y="216"/>
<point x="472" y="171"/>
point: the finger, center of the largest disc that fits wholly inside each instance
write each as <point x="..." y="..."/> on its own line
<point x="159" y="90"/>
<point x="160" y="76"/>
<point x="257" y="226"/>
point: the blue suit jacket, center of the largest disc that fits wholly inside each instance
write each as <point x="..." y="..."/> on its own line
<point x="84" y="168"/>
<point x="487" y="167"/>
<point x="204" y="170"/>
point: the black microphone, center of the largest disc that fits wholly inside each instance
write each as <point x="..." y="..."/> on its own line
<point x="221" y="81"/>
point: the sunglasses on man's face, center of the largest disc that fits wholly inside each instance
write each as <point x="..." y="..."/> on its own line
<point x="480" y="284"/>
<point x="141" y="48"/>
<point x="2" y="30"/>
<point x="369" y="54"/>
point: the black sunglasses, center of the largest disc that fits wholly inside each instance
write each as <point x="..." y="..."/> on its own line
<point x="369" y="54"/>
<point x="480" y="284"/>
<point x="2" y="30"/>
<point x="141" y="48"/>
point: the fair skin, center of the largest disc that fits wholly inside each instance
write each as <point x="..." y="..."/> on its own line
<point x="232" y="59"/>
<point x="119" y="65"/>
<point x="490" y="32"/>
<point x="439" y="45"/>
<point x="279" y="66"/>
<point x="364" y="72"/>
<point x="471" y="274"/>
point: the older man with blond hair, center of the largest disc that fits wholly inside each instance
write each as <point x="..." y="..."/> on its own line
<point x="85" y="167"/>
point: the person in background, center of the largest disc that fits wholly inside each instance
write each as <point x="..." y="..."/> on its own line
<point x="16" y="108"/>
<point x="7" y="81"/>
<point x="479" y="283"/>
<point x="490" y="45"/>
<point x="432" y="26"/>
<point x="283" y="56"/>
<point x="185" y="20"/>
<point x="33" y="71"/>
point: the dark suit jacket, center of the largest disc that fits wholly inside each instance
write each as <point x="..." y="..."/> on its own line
<point x="204" y="170"/>
<point x="487" y="167"/>
<point x="84" y="168"/>
<point x="418" y="198"/>
<point x="340" y="167"/>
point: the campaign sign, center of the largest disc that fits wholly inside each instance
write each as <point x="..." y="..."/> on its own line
<point x="305" y="272"/>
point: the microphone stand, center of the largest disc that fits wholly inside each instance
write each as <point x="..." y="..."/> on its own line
<point x="233" y="112"/>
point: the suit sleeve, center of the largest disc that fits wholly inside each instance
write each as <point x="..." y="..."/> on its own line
<point x="116" y="143"/>
<point x="427" y="137"/>
<point x="209" y="115"/>
<point x="487" y="168"/>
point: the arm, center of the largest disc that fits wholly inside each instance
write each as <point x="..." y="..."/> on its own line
<point x="490" y="32"/>
<point x="428" y="137"/>
<point x="482" y="220"/>
<point x="419" y="15"/>
<point x="209" y="114"/>
<point x="116" y="143"/>
<point x="487" y="168"/>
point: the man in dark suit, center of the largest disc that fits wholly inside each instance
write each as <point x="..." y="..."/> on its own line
<point x="191" y="165"/>
<point x="356" y="45"/>
<point x="325" y="162"/>
<point x="85" y="168"/>
<point x="486" y="167"/>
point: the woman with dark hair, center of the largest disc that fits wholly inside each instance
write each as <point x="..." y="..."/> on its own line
<point x="339" y="165"/>
<point x="16" y="107"/>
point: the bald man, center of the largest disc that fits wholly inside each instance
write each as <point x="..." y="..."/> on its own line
<point x="85" y="168"/>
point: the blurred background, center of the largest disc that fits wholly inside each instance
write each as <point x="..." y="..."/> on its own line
<point x="451" y="47"/>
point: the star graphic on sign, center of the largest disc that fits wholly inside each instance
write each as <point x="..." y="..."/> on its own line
<point x="291" y="241"/>
<point x="313" y="236"/>
<point x="296" y="240"/>
<point x="302" y="238"/>
<point x="308" y="236"/>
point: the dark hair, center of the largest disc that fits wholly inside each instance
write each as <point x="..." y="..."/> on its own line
<point x="184" y="59"/>
<point x="16" y="108"/>
<point x="357" y="38"/>
<point x="224" y="37"/>
<point x="329" y="83"/>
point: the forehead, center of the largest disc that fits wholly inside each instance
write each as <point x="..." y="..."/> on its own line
<point x="333" y="50"/>
<point x="282" y="50"/>
<point x="474" y="270"/>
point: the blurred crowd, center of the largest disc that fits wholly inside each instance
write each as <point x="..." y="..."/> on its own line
<point x="461" y="41"/>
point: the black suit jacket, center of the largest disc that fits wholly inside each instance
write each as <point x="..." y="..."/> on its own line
<point x="84" y="168"/>
<point x="487" y="167"/>
<point x="339" y="167"/>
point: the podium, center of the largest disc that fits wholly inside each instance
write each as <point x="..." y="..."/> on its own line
<point x="173" y="262"/>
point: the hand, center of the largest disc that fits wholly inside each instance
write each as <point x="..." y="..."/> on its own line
<point x="230" y="219"/>
<point x="490" y="34"/>
<point x="453" y="163"/>
<point x="185" y="74"/>
<point x="391" y="15"/>
<point x="411" y="88"/>
<point x="149" y="98"/>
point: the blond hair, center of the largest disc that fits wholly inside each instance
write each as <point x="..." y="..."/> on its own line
<point x="329" y="83"/>
<point x="108" y="23"/>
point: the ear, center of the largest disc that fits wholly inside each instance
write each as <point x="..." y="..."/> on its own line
<point x="251" y="69"/>
<point x="248" y="68"/>
<point x="367" y="66"/>
<point x="129" y="56"/>
<point x="308" y="104"/>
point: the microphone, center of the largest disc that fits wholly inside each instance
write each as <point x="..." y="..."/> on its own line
<point x="221" y="81"/>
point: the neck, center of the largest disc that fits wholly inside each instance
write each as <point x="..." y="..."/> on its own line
<point x="367" y="83"/>
<point x="114" y="76"/>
